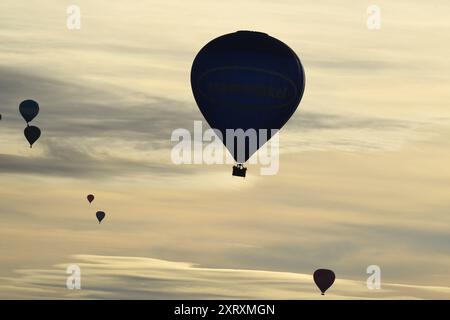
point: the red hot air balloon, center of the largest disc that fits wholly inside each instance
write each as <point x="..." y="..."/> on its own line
<point x="90" y="198"/>
<point x="324" y="279"/>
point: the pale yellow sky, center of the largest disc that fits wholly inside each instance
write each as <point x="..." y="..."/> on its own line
<point x="363" y="178"/>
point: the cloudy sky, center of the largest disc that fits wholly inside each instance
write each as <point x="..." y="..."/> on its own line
<point x="364" y="176"/>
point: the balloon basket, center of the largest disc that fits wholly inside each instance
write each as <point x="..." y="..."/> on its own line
<point x="239" y="170"/>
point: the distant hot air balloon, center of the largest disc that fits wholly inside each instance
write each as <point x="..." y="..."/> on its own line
<point x="32" y="134"/>
<point x="90" y="198"/>
<point x="324" y="279"/>
<point x="29" y="109"/>
<point x="100" y="216"/>
<point x="247" y="80"/>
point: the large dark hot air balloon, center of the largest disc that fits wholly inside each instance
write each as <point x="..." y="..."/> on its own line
<point x="29" y="109"/>
<point x="32" y="134"/>
<point x="90" y="198"/>
<point x="100" y="216"/>
<point x="247" y="80"/>
<point x="324" y="279"/>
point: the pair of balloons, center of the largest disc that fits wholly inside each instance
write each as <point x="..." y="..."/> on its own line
<point x="247" y="80"/>
<point x="99" y="214"/>
<point x="29" y="109"/>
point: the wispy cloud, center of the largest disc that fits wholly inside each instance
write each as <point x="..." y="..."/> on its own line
<point x="116" y="277"/>
<point x="68" y="161"/>
<point x="95" y="132"/>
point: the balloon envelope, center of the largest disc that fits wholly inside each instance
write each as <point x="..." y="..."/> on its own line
<point x="324" y="279"/>
<point x="32" y="134"/>
<point x="90" y="198"/>
<point x="100" y="216"/>
<point x="29" y="109"/>
<point x="247" y="80"/>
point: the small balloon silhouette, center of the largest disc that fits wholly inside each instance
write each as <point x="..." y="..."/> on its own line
<point x="324" y="279"/>
<point x="29" y="109"/>
<point x="32" y="134"/>
<point x="100" y="216"/>
<point x="90" y="198"/>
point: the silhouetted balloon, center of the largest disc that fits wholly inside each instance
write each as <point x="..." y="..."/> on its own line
<point x="100" y="216"/>
<point x="90" y="198"/>
<point x="247" y="80"/>
<point x="324" y="279"/>
<point x="32" y="134"/>
<point x="29" y="109"/>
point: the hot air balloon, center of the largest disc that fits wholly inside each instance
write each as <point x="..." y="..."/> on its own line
<point x="247" y="80"/>
<point x="29" y="109"/>
<point x="100" y="216"/>
<point x="32" y="134"/>
<point x="90" y="198"/>
<point x="324" y="279"/>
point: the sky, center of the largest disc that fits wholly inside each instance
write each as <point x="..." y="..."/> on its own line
<point x="363" y="176"/>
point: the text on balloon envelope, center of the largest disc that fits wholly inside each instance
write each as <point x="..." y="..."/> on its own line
<point x="247" y="87"/>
